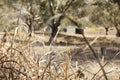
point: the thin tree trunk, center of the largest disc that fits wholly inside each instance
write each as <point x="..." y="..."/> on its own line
<point x="106" y="29"/>
<point x="118" y="34"/>
<point x="118" y="31"/>
<point x="55" y="29"/>
<point x="53" y="34"/>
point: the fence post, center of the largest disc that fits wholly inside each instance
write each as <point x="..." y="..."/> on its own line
<point x="103" y="53"/>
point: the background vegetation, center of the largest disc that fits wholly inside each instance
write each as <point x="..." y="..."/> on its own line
<point x="28" y="56"/>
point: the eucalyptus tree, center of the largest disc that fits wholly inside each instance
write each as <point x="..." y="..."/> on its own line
<point x="101" y="15"/>
<point x="107" y="14"/>
<point x="57" y="7"/>
<point x="115" y="15"/>
<point x="76" y="9"/>
<point x="45" y="11"/>
<point x="52" y="12"/>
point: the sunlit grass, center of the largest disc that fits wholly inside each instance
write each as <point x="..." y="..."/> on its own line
<point x="23" y="60"/>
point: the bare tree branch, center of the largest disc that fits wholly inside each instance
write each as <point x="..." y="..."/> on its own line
<point x="67" y="5"/>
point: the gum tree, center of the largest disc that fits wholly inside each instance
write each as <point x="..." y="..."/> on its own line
<point x="57" y="7"/>
<point x="76" y="9"/>
<point x="107" y="14"/>
<point x="101" y="15"/>
<point x="47" y="11"/>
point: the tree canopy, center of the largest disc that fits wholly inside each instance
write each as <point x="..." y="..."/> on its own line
<point x="50" y="12"/>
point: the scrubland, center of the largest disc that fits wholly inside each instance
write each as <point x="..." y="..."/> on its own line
<point x="68" y="58"/>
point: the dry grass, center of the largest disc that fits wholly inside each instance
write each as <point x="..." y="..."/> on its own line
<point x="28" y="58"/>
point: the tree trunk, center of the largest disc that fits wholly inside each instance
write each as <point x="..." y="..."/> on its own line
<point x="106" y="29"/>
<point x="30" y="24"/>
<point x="118" y="31"/>
<point x="55" y="29"/>
<point x="53" y="34"/>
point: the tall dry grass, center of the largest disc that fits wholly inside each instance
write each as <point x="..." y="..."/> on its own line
<point x="28" y="58"/>
<point x="21" y="59"/>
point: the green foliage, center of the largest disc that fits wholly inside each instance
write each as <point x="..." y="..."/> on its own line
<point x="106" y="13"/>
<point x="10" y="2"/>
<point x="100" y="12"/>
<point x="65" y="22"/>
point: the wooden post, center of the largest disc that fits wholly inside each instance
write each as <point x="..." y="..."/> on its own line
<point x="103" y="53"/>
